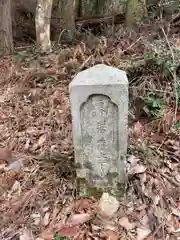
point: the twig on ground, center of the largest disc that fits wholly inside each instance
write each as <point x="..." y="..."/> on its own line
<point x="85" y="62"/>
<point x="129" y="47"/>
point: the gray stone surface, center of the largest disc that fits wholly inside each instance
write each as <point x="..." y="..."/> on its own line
<point x="99" y="107"/>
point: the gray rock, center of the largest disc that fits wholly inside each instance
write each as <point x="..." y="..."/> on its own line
<point x="108" y="204"/>
<point x="14" y="166"/>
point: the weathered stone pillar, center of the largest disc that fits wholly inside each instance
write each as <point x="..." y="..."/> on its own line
<point x="99" y="106"/>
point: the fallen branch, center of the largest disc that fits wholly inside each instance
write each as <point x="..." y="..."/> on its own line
<point x="93" y="21"/>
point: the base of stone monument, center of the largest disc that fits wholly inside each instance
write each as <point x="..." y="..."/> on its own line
<point x="85" y="190"/>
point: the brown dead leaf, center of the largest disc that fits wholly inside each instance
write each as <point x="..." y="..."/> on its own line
<point x="157" y="138"/>
<point x="177" y="177"/>
<point x="85" y="205"/>
<point x="124" y="222"/>
<point x="45" y="221"/>
<point x="69" y="231"/>
<point x="176" y="212"/>
<point x="27" y="144"/>
<point x="178" y="44"/>
<point x="3" y="116"/>
<point x="47" y="234"/>
<point x="15" y="190"/>
<point x="138" y="128"/>
<point x="42" y="140"/>
<point x="5" y="155"/>
<point x="78" y="219"/>
<point x="111" y="235"/>
<point x="2" y="167"/>
<point x="7" y="179"/>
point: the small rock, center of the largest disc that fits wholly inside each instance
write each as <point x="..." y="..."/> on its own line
<point x="14" y="166"/>
<point x="26" y="235"/>
<point x="108" y="204"/>
<point x="36" y="218"/>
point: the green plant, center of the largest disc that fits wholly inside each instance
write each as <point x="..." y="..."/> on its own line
<point x="153" y="107"/>
<point x="178" y="124"/>
<point x="159" y="57"/>
<point x="57" y="237"/>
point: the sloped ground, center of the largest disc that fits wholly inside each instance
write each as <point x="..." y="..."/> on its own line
<point x="37" y="179"/>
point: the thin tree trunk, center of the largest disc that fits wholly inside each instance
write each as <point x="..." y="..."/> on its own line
<point x="136" y="10"/>
<point x="43" y="20"/>
<point x="68" y="10"/>
<point x="6" y="40"/>
<point x="101" y="7"/>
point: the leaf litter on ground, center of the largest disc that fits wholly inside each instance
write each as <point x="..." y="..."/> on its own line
<point x="35" y="120"/>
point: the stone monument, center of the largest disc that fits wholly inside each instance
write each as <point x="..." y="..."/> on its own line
<point x="99" y="107"/>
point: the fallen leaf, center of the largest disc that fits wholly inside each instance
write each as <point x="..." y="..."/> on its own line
<point x="41" y="140"/>
<point x="27" y="144"/>
<point x="177" y="177"/>
<point x="145" y="221"/>
<point x="175" y="211"/>
<point x="3" y="116"/>
<point x="2" y="167"/>
<point x="78" y="219"/>
<point x="138" y="128"/>
<point x="85" y="205"/>
<point x="46" y="219"/>
<point x="124" y="222"/>
<point x="15" y="190"/>
<point x="69" y="231"/>
<point x="47" y="234"/>
<point x="111" y="235"/>
<point x="157" y="138"/>
<point x="5" y="155"/>
<point x="2" y="99"/>
<point x="177" y="230"/>
<point x="142" y="233"/>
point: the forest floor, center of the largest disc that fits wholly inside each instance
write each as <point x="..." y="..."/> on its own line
<point x="37" y="176"/>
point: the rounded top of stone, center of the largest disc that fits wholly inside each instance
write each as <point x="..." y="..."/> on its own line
<point x="100" y="74"/>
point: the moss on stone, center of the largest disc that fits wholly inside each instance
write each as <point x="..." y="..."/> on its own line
<point x="85" y="190"/>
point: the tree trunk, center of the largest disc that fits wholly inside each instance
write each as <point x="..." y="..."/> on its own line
<point x="67" y="13"/>
<point x="101" y="7"/>
<point x="43" y="20"/>
<point x="6" y="41"/>
<point x="135" y="11"/>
